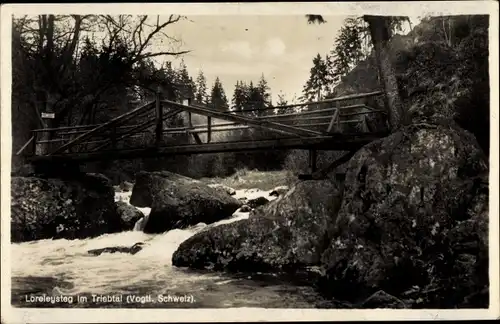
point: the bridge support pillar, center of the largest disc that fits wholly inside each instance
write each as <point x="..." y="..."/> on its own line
<point x="312" y="160"/>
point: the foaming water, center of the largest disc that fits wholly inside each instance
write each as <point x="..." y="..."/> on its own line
<point x="65" y="267"/>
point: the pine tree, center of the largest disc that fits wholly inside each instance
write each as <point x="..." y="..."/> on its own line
<point x="169" y="89"/>
<point x="218" y="99"/>
<point x="201" y="89"/>
<point x="282" y="102"/>
<point x="238" y="99"/>
<point x="318" y="83"/>
<point x="380" y="30"/>
<point x="349" y="48"/>
<point x="264" y="98"/>
<point x="185" y="83"/>
<point x="249" y="95"/>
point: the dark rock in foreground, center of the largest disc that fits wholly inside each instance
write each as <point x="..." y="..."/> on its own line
<point x="53" y="208"/>
<point x="414" y="216"/>
<point x="260" y="201"/>
<point x="179" y="202"/>
<point x="118" y="249"/>
<point x="128" y="214"/>
<point x="291" y="232"/>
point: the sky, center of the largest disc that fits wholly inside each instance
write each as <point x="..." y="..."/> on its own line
<point x="245" y="47"/>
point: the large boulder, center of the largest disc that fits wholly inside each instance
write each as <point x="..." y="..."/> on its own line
<point x="128" y="214"/>
<point x="149" y="184"/>
<point x="179" y="202"/>
<point x="414" y="220"/>
<point x="289" y="233"/>
<point x="54" y="208"/>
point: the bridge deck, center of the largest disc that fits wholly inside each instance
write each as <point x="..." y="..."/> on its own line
<point x="341" y="142"/>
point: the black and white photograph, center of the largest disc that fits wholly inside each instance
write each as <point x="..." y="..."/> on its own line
<point x="249" y="157"/>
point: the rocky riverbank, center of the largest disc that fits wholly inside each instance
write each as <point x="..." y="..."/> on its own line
<point x="43" y="208"/>
<point x="409" y="229"/>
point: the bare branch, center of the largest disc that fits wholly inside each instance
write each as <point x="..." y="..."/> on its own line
<point x="171" y="20"/>
<point x="138" y="30"/>
<point x="148" y="55"/>
<point x="70" y="47"/>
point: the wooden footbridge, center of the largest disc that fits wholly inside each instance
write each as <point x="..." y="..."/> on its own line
<point x="341" y="124"/>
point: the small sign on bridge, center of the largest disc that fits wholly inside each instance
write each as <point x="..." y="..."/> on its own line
<point x="48" y="115"/>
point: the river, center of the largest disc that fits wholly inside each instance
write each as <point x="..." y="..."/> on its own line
<point x="61" y="273"/>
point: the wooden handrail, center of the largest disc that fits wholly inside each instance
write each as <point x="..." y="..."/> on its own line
<point x="206" y="130"/>
<point x="363" y="113"/>
<point x="120" y="118"/>
<point x="39" y="130"/>
<point x="140" y="127"/>
<point x="25" y="145"/>
<point x="244" y="120"/>
<point x="311" y="112"/>
<point x="123" y="127"/>
<point x="347" y="97"/>
<point x="334" y="119"/>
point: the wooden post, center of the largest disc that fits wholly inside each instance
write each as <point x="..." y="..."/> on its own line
<point x="312" y="160"/>
<point x="364" y="125"/>
<point x="337" y="127"/>
<point x="209" y="129"/>
<point x="159" y="118"/>
<point x="35" y="139"/>
<point x="334" y="120"/>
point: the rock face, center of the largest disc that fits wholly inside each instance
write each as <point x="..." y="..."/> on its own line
<point x="289" y="233"/>
<point x="179" y="202"/>
<point x="128" y="214"/>
<point x="414" y="217"/>
<point x="54" y="208"/>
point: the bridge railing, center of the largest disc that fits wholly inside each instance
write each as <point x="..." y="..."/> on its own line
<point x="349" y="113"/>
<point x="324" y="117"/>
<point x="346" y="114"/>
<point x="68" y="139"/>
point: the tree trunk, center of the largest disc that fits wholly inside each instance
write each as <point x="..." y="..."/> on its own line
<point x="380" y="33"/>
<point x="45" y="148"/>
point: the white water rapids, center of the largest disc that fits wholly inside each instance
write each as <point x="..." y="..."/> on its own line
<point x="64" y="267"/>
